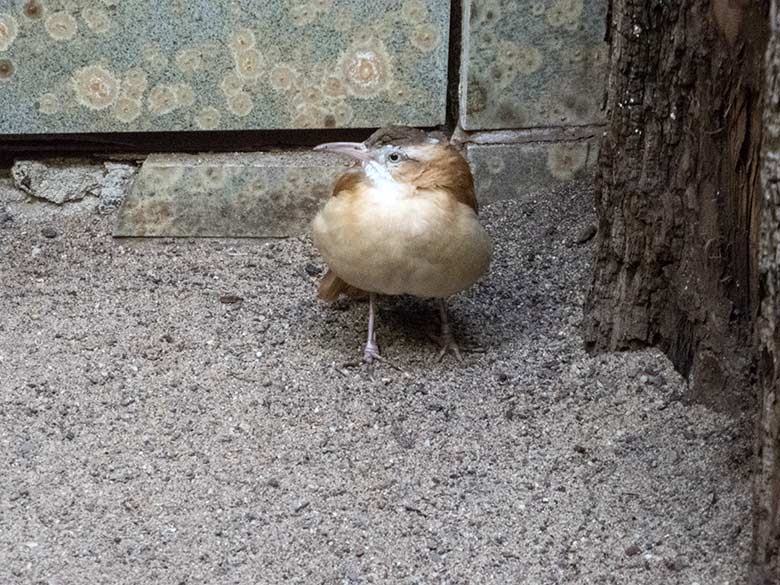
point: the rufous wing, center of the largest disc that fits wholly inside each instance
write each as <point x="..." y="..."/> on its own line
<point x="331" y="287"/>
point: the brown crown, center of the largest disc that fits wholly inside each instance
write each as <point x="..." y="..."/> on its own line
<point x="397" y="135"/>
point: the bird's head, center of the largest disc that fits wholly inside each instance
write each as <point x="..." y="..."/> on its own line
<point x="409" y="156"/>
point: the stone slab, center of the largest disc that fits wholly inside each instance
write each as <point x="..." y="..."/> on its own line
<point x="231" y="195"/>
<point x="278" y="194"/>
<point x="514" y="171"/>
<point x="532" y="63"/>
<point x="76" y="66"/>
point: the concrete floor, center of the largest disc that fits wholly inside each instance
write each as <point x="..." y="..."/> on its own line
<point x="188" y="412"/>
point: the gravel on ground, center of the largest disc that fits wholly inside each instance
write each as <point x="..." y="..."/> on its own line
<point x="187" y="412"/>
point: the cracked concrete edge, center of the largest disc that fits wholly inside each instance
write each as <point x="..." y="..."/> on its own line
<point x="62" y="180"/>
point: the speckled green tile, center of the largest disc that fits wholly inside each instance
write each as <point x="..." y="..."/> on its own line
<point x="512" y="171"/>
<point x="235" y="195"/>
<point x="532" y="63"/>
<point x="134" y="65"/>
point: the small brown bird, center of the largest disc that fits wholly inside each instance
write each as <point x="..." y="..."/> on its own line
<point x="403" y="220"/>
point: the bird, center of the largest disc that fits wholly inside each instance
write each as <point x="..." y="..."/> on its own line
<point x="402" y="220"/>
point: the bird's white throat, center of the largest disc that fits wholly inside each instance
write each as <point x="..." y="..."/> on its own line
<point x="383" y="181"/>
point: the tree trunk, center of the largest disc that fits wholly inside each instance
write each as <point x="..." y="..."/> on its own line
<point x="676" y="255"/>
<point x="766" y="492"/>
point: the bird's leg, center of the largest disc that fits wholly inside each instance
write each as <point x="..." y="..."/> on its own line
<point x="447" y="339"/>
<point x="371" y="352"/>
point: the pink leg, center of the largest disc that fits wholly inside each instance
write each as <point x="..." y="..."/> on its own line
<point x="371" y="352"/>
<point x="447" y="340"/>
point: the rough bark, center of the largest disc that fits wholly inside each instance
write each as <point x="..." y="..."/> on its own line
<point x="766" y="492"/>
<point x="676" y="253"/>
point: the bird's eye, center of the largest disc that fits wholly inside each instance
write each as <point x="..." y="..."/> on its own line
<point x="394" y="157"/>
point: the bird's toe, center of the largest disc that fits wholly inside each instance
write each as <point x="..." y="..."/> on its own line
<point x="371" y="353"/>
<point x="447" y="344"/>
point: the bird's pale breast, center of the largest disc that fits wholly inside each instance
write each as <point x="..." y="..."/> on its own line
<point x="397" y="241"/>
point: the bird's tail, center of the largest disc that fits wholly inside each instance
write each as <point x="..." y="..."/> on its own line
<point x="331" y="286"/>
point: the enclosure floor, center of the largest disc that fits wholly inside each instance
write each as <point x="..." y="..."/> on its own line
<point x="151" y="431"/>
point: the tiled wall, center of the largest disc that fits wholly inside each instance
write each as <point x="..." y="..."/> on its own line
<point x="532" y="63"/>
<point x="143" y="65"/>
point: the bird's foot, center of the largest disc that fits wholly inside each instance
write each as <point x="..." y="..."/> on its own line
<point x="447" y="343"/>
<point x="371" y="353"/>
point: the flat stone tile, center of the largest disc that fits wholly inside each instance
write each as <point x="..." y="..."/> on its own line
<point x="532" y="63"/>
<point x="516" y="170"/>
<point x="278" y="194"/>
<point x="239" y="195"/>
<point x="134" y="66"/>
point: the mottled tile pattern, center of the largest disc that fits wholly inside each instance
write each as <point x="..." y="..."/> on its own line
<point x="533" y="63"/>
<point x="135" y="65"/>
<point x="237" y="195"/>
<point x="513" y="171"/>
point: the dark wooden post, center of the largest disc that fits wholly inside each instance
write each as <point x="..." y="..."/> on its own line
<point x="678" y="189"/>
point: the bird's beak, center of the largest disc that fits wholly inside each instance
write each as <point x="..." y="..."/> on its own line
<point x="356" y="150"/>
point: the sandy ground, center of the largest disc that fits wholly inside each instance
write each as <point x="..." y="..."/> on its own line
<point x="187" y="412"/>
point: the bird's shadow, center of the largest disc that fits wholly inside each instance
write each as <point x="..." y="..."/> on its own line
<point x="407" y="318"/>
<point x="408" y="327"/>
<point x="414" y="324"/>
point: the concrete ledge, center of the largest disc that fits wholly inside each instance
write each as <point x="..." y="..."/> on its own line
<point x="510" y="171"/>
<point x="227" y="195"/>
<point x="271" y="195"/>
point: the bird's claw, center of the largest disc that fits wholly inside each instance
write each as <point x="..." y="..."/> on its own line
<point x="371" y="353"/>
<point x="447" y="344"/>
<point x="453" y="347"/>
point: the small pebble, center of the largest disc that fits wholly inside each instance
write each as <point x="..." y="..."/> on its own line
<point x="312" y="269"/>
<point x="632" y="550"/>
<point x="49" y="232"/>
<point x="230" y="299"/>
<point x="586" y="234"/>
<point x="672" y="564"/>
